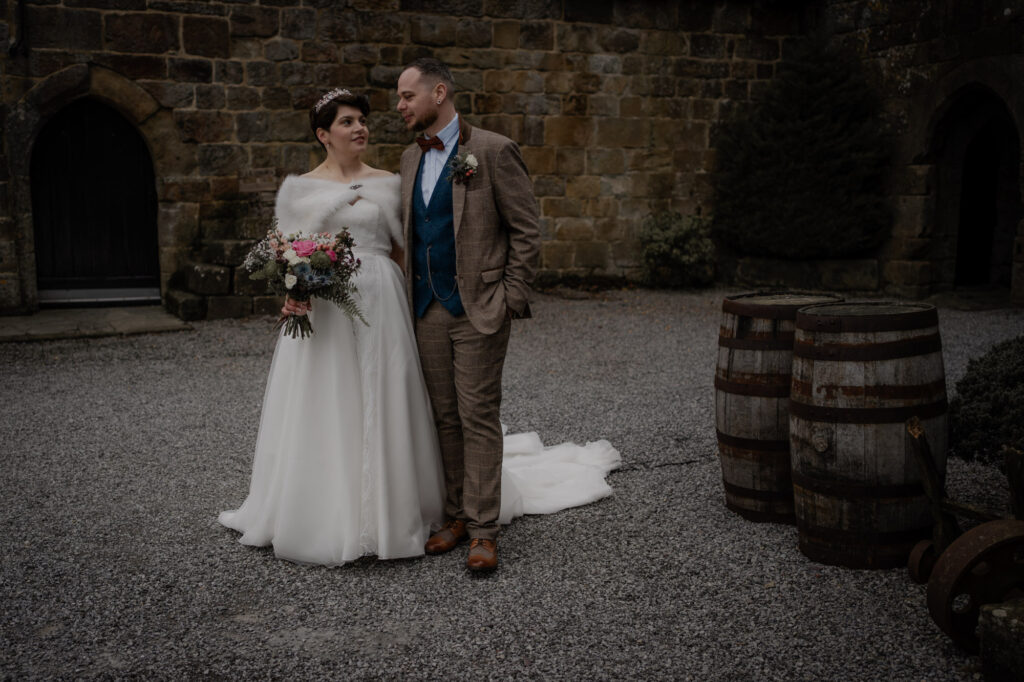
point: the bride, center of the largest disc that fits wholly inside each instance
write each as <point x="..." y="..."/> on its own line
<point x="347" y="462"/>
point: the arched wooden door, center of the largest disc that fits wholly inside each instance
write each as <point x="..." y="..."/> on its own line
<point x="94" y="209"/>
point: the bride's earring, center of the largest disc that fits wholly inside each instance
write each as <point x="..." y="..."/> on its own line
<point x="438" y="101"/>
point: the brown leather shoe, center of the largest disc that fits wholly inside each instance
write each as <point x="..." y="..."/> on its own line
<point x="483" y="555"/>
<point x="445" y="540"/>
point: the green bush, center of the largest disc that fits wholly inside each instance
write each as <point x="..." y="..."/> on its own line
<point x="801" y="175"/>
<point x="988" y="410"/>
<point x="676" y="251"/>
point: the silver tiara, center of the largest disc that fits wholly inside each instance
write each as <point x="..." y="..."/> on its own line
<point x="337" y="92"/>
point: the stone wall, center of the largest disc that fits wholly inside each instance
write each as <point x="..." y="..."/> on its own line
<point x="945" y="70"/>
<point x="613" y="103"/>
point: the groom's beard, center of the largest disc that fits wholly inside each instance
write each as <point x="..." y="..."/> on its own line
<point x="422" y="124"/>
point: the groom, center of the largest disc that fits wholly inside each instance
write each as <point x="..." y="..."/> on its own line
<point x="470" y="221"/>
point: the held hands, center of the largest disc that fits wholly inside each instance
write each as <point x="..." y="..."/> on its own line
<point x="293" y="307"/>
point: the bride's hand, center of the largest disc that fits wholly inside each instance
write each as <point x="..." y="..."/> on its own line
<point x="293" y="307"/>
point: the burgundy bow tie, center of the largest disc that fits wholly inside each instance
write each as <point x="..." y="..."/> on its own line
<point x="426" y="144"/>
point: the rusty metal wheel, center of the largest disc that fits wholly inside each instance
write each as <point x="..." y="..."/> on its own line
<point x="921" y="561"/>
<point x="985" y="565"/>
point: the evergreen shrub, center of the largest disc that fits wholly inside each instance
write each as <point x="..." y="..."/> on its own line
<point x="988" y="410"/>
<point x="800" y="175"/>
<point x="676" y="251"/>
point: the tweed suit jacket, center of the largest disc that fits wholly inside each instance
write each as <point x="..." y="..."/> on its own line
<point x="497" y="238"/>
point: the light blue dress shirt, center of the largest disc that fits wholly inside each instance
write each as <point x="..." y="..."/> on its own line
<point x="435" y="160"/>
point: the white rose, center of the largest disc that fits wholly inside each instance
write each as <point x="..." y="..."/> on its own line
<point x="291" y="257"/>
<point x="290" y="280"/>
<point x="471" y="160"/>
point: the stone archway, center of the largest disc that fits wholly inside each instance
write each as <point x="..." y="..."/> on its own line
<point x="976" y="152"/>
<point x="176" y="223"/>
<point x="94" y="209"/>
<point x="965" y="128"/>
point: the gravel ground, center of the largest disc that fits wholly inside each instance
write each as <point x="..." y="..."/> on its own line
<point x="119" y="453"/>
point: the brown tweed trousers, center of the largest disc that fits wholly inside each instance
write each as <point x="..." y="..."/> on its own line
<point x="497" y="242"/>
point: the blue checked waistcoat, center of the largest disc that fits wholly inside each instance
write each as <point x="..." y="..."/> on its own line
<point x="433" y="230"/>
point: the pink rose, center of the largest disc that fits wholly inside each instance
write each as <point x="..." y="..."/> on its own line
<point x="333" y="256"/>
<point x="304" y="247"/>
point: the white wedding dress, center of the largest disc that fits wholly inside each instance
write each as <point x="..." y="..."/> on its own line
<point x="347" y="462"/>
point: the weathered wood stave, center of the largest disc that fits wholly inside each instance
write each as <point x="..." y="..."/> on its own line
<point x="859" y="372"/>
<point x="752" y="383"/>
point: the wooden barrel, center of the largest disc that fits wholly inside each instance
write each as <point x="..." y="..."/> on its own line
<point x="860" y="371"/>
<point x="752" y="378"/>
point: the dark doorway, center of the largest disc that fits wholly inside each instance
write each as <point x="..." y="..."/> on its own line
<point x="94" y="209"/>
<point x="989" y="198"/>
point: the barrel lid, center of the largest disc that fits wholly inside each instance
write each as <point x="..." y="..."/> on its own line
<point x="774" y="305"/>
<point x="866" y="316"/>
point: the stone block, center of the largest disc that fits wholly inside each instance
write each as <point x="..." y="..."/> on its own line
<point x="361" y="54"/>
<point x="709" y="46"/>
<point x="473" y="33"/>
<point x="150" y="32"/>
<point x="138" y="103"/>
<point x="539" y="160"/>
<point x="509" y="126"/>
<point x="66" y="29"/>
<point x="242" y="97"/>
<point x="190" y="70"/>
<point x="244" y="285"/>
<point x="281" y="98"/>
<point x="588" y="11"/>
<point x="591" y="255"/>
<point x="624" y="132"/>
<point x="228" y="307"/>
<point x="569" y="161"/>
<point x="134" y="66"/>
<point x="557" y="255"/>
<point x="548" y="185"/>
<point x="603" y="105"/>
<point x="177" y="223"/>
<point x="385" y="76"/>
<point x="907" y="273"/>
<point x="175" y="189"/>
<point x="569" y="131"/>
<point x="254" y="21"/>
<point x="204" y="126"/>
<point x="849" y="275"/>
<point x="913" y="216"/>
<point x="267" y="305"/>
<point x="380" y="27"/>
<point x="576" y="38"/>
<point x="298" y="24"/>
<point x="558" y="207"/>
<point x="206" y="36"/>
<point x="537" y="35"/>
<point x="608" y="230"/>
<point x="210" y="96"/>
<point x="281" y="50"/>
<point x="622" y="41"/>
<point x="208" y="279"/>
<point x="686" y="67"/>
<point x="185" y="306"/>
<point x="222" y="159"/>
<point x="583" y="186"/>
<point x="225" y="251"/>
<point x="432" y="30"/>
<point x="1001" y="636"/>
<point x="574" y="229"/>
<point x="228" y="72"/>
<point x="760" y="49"/>
<point x="601" y="207"/>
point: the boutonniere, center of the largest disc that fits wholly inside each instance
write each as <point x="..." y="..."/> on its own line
<point x="462" y="167"/>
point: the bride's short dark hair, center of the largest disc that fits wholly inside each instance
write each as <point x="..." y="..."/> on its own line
<point x="321" y="114"/>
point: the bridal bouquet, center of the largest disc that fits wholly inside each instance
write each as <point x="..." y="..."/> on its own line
<point x="303" y="266"/>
